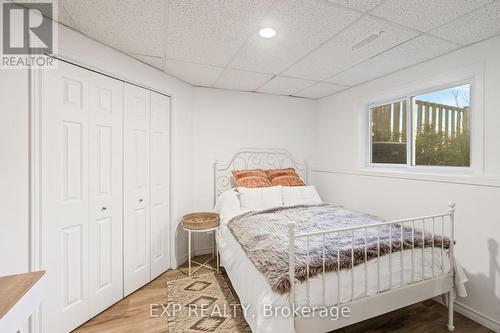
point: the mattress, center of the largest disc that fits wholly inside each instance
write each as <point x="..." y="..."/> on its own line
<point x="256" y="295"/>
<point x="255" y="292"/>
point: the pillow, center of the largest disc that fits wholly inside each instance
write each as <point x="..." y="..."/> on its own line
<point x="284" y="177"/>
<point x="228" y="205"/>
<point x="300" y="195"/>
<point x="260" y="198"/>
<point x="251" y="178"/>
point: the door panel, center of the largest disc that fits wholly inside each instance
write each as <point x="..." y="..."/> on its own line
<point x="105" y="254"/>
<point x="141" y="146"/>
<point x="137" y="243"/>
<point x="105" y="187"/>
<point x="104" y="157"/>
<point x="141" y="242"/>
<point x="72" y="160"/>
<point x="72" y="266"/>
<point x="65" y="196"/>
<point x="160" y="187"/>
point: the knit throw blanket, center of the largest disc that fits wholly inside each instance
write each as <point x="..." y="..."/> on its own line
<point x="263" y="235"/>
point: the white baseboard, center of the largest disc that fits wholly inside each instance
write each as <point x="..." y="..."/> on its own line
<point x="472" y="314"/>
<point x="478" y="317"/>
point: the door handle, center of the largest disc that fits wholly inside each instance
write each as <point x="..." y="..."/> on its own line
<point x="103" y="209"/>
<point x="141" y="200"/>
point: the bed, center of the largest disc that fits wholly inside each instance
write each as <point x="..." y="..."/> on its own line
<point x="376" y="282"/>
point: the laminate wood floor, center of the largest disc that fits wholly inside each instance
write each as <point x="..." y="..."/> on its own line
<point x="132" y="314"/>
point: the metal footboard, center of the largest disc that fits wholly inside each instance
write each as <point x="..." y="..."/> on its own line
<point x="439" y="226"/>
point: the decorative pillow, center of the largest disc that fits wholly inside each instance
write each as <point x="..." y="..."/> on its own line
<point x="300" y="195"/>
<point x="260" y="198"/>
<point x="251" y="178"/>
<point x="284" y="177"/>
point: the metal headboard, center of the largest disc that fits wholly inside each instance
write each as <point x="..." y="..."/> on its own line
<point x="254" y="158"/>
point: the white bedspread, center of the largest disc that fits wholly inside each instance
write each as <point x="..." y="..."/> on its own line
<point x="254" y="291"/>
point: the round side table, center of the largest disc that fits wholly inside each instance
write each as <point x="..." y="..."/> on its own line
<point x="198" y="223"/>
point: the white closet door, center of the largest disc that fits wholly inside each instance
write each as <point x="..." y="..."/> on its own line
<point x="105" y="192"/>
<point x="65" y="195"/>
<point x="160" y="195"/>
<point x="136" y="224"/>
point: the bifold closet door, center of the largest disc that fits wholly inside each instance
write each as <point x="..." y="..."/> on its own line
<point x="136" y="222"/>
<point x="82" y="195"/>
<point x="106" y="192"/>
<point x="160" y="184"/>
<point x="66" y="147"/>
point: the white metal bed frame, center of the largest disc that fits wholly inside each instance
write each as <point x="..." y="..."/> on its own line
<point x="363" y="307"/>
<point x="254" y="158"/>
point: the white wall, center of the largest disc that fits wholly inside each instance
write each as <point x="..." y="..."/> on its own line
<point x="14" y="153"/>
<point x="14" y="186"/>
<point x="340" y="179"/>
<point x="225" y="121"/>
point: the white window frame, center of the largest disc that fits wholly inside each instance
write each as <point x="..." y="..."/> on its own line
<point x="476" y="132"/>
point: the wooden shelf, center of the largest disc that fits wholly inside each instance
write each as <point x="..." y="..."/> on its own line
<point x="14" y="287"/>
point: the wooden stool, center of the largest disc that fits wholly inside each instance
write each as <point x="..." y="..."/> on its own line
<point x="202" y="222"/>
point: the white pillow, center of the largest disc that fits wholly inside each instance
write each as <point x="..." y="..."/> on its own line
<point x="260" y="197"/>
<point x="228" y="205"/>
<point x="300" y="195"/>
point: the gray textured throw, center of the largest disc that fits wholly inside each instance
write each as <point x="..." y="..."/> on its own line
<point x="263" y="235"/>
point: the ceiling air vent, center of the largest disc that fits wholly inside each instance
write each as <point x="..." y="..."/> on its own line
<point x="367" y="40"/>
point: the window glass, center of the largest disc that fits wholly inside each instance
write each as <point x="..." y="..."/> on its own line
<point x="388" y="133"/>
<point x="441" y="127"/>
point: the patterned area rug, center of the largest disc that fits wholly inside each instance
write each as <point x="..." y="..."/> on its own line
<point x="204" y="303"/>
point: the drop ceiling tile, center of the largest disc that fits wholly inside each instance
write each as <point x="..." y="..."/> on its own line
<point x="319" y="90"/>
<point x="473" y="27"/>
<point x="64" y="17"/>
<point x="130" y="26"/>
<point x="322" y="64"/>
<point x="211" y="31"/>
<point x="283" y="85"/>
<point x="301" y="26"/>
<point x="337" y="54"/>
<point x="412" y="52"/>
<point x="195" y="74"/>
<point x="363" y="5"/>
<point x="425" y="15"/>
<point x="153" y="61"/>
<point x="241" y="80"/>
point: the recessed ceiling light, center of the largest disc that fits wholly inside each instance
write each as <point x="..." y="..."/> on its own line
<point x="267" y="32"/>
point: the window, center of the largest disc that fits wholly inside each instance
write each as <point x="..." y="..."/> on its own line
<point x="438" y="125"/>
<point x="389" y="133"/>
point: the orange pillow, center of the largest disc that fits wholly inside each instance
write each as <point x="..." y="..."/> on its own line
<point x="251" y="178"/>
<point x="284" y="177"/>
